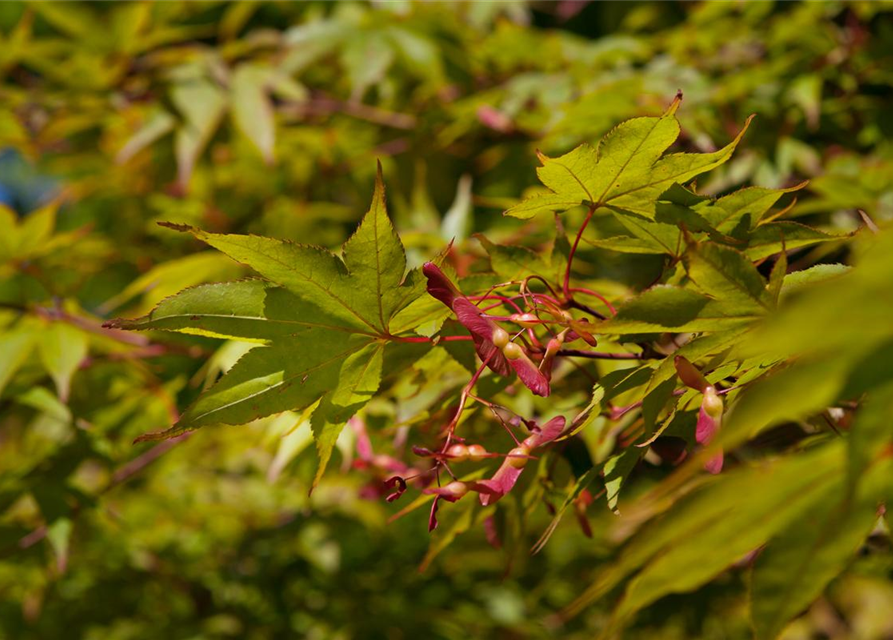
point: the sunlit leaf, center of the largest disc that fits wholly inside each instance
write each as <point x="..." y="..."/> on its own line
<point x="62" y="347"/>
<point x="627" y="169"/>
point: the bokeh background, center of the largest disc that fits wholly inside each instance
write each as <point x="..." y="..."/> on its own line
<point x="269" y="118"/>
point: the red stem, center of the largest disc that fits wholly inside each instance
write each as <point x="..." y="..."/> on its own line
<point x="494" y="296"/>
<point x="524" y="297"/>
<point x="463" y="399"/>
<point x="570" y="257"/>
<point x="598" y="355"/>
<point x="541" y="279"/>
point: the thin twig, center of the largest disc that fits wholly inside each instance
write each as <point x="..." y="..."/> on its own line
<point x="324" y="105"/>
<point x="601" y="355"/>
<point x="585" y="307"/>
<point x="121" y="475"/>
<point x="130" y="469"/>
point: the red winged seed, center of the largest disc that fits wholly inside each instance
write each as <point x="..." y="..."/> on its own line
<point x="482" y="329"/>
<point x="704" y="432"/>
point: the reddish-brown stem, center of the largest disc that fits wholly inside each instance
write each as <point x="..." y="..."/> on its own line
<point x="541" y="279"/>
<point x="495" y="296"/>
<point x="121" y="475"/>
<point x="320" y="104"/>
<point x="570" y="257"/>
<point x="424" y="339"/>
<point x="548" y="298"/>
<point x="576" y="304"/>
<point x="130" y="469"/>
<point x="462" y="400"/>
<point x="493" y="408"/>
<point x="537" y="297"/>
<point x="599" y="355"/>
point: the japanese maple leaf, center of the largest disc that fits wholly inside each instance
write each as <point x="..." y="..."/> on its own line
<point x="627" y="170"/>
<point x="323" y="320"/>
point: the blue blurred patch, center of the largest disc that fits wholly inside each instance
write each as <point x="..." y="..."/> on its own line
<point x="22" y="187"/>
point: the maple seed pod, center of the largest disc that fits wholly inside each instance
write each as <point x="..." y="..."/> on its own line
<point x="517" y="457"/>
<point x="458" y="489"/>
<point x="526" y="320"/>
<point x="500" y="337"/>
<point x="512" y="351"/>
<point x="458" y="452"/>
<point x="476" y="452"/>
<point x="690" y="376"/>
<point x="712" y="403"/>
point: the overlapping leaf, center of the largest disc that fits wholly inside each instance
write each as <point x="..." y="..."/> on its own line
<point x="250" y="310"/>
<point x="727" y="275"/>
<point x="708" y="531"/>
<point x="738" y="220"/>
<point x="671" y="308"/>
<point x="797" y="565"/>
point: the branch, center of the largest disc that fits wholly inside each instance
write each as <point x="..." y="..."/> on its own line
<point x="586" y="308"/>
<point x="324" y="105"/>
<point x="600" y="355"/>
<point x="121" y="475"/>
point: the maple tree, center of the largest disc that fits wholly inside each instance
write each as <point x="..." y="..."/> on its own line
<point x="647" y="393"/>
<point x="325" y="322"/>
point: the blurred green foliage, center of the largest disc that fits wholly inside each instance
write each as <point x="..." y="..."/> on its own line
<point x="268" y="118"/>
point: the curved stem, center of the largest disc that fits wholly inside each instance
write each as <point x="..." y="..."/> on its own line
<point x="545" y="282"/>
<point x="495" y="296"/>
<point x="463" y="399"/>
<point x="494" y="410"/>
<point x="570" y="257"/>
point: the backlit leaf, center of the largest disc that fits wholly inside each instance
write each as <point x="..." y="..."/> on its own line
<point x="62" y="347"/>
<point x="201" y="105"/>
<point x="626" y="170"/>
<point x="362" y="292"/>
<point x="289" y="376"/>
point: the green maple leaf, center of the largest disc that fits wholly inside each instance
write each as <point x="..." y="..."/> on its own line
<point x="627" y="170"/>
<point x="323" y="320"/>
<point x="728" y="276"/>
